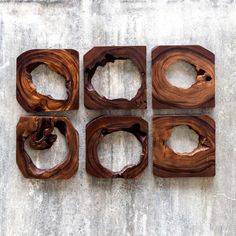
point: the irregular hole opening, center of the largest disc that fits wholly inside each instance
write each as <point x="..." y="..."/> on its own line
<point x="181" y="74"/>
<point x="183" y="139"/>
<point x="110" y="58"/>
<point x="48" y="158"/>
<point x="48" y="82"/>
<point x="119" y="149"/>
<point x="118" y="79"/>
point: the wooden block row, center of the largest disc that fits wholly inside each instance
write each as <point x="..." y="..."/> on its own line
<point x="166" y="163"/>
<point x="66" y="63"/>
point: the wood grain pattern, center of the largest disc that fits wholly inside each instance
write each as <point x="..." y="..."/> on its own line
<point x="201" y="94"/>
<point x="64" y="62"/>
<point x="200" y="162"/>
<point x="104" y="125"/>
<point x="38" y="129"/>
<point x="99" y="56"/>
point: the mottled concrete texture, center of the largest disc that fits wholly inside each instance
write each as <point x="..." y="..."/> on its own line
<point x="148" y="205"/>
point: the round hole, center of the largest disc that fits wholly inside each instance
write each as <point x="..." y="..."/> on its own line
<point x="181" y="74"/>
<point x="48" y="82"/>
<point x="118" y="150"/>
<point x="48" y="158"/>
<point x="120" y="79"/>
<point x="183" y="139"/>
<point x="208" y="78"/>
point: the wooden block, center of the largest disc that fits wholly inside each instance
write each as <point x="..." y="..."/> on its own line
<point x="104" y="125"/>
<point x="199" y="95"/>
<point x="200" y="162"/>
<point x="62" y="61"/>
<point x="38" y="129"/>
<point x="99" y="56"/>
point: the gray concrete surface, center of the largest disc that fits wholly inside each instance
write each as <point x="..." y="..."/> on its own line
<point x="148" y="205"/>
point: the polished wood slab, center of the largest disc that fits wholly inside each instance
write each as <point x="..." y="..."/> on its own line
<point x="199" y="163"/>
<point x="38" y="129"/>
<point x="99" y="56"/>
<point x="200" y="95"/>
<point x="62" y="61"/>
<point x="104" y="125"/>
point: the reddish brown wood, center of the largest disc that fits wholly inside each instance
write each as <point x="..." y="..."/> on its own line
<point x="99" y="56"/>
<point x="38" y="129"/>
<point x="64" y="62"/>
<point x="200" y="162"/>
<point x="199" y="95"/>
<point x="101" y="126"/>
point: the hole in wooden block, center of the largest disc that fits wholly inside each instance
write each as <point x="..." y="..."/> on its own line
<point x="181" y="74"/>
<point x="208" y="78"/>
<point x="183" y="139"/>
<point x="118" y="150"/>
<point x="48" y="82"/>
<point x="120" y="79"/>
<point x="48" y="158"/>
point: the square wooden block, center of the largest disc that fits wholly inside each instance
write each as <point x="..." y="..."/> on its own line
<point x="38" y="130"/>
<point x="200" y="162"/>
<point x="200" y="95"/>
<point x="100" y="56"/>
<point x="101" y="126"/>
<point x="64" y="62"/>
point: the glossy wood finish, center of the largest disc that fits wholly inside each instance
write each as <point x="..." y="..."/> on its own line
<point x="200" y="162"/>
<point x="64" y="62"/>
<point x="38" y="129"/>
<point x="104" y="125"/>
<point x="201" y="94"/>
<point x="99" y="56"/>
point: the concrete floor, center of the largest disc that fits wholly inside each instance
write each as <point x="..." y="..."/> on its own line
<point x="84" y="205"/>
